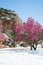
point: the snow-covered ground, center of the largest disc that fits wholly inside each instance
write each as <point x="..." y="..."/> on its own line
<point x="21" y="57"/>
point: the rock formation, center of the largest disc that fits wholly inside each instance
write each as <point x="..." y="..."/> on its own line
<point x="8" y="19"/>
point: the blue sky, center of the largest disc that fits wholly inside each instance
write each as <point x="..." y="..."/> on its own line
<point x="25" y="8"/>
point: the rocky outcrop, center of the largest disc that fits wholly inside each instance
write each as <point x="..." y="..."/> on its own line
<point x="8" y="19"/>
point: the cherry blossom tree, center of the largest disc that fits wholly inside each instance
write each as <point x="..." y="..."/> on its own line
<point x="29" y="32"/>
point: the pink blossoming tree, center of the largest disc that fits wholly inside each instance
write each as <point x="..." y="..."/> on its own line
<point x="29" y="32"/>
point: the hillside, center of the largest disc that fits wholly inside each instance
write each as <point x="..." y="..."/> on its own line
<point x="8" y="19"/>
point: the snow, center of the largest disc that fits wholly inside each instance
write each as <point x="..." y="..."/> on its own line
<point x="13" y="56"/>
